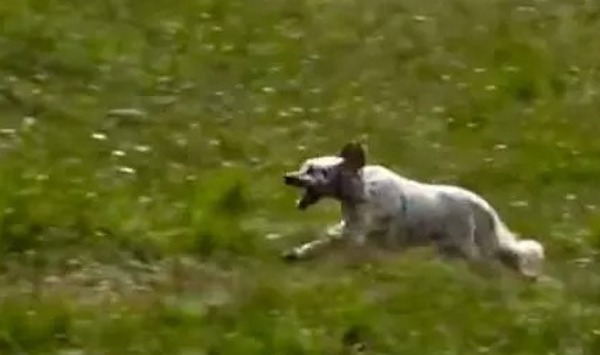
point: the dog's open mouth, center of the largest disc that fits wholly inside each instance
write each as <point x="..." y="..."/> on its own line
<point x="309" y="197"/>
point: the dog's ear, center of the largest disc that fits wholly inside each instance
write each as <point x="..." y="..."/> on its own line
<point x="354" y="156"/>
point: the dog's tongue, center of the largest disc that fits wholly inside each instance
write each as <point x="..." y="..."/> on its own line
<point x="307" y="199"/>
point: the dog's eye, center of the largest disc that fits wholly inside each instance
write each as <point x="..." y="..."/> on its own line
<point x="323" y="174"/>
<point x="317" y="172"/>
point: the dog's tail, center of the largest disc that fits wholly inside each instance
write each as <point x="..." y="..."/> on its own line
<point x="526" y="256"/>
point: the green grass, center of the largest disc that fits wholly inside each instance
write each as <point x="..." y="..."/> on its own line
<point x="142" y="145"/>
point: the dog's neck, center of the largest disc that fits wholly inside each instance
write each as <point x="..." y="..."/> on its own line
<point x="350" y="189"/>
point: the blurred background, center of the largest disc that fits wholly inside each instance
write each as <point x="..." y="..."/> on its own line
<point x="142" y="145"/>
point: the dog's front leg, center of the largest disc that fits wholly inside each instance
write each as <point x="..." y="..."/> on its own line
<point x="356" y="223"/>
<point x="396" y="235"/>
<point x="333" y="234"/>
<point x="355" y="232"/>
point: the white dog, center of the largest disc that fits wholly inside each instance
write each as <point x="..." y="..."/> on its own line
<point x="375" y="201"/>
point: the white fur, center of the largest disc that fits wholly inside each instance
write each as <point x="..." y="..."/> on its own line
<point x="410" y="213"/>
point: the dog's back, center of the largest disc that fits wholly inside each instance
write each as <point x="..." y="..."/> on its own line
<point x="426" y="207"/>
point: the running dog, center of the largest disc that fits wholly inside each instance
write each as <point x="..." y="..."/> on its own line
<point x="378" y="203"/>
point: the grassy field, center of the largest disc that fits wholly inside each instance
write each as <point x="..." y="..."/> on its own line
<point x="142" y="145"/>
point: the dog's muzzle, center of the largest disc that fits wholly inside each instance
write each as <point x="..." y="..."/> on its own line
<point x="309" y="197"/>
<point x="292" y="180"/>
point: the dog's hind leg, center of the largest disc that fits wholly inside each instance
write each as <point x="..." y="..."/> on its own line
<point x="455" y="234"/>
<point x="461" y="243"/>
<point x="461" y="230"/>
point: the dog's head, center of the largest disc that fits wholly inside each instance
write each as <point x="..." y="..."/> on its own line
<point x="336" y="176"/>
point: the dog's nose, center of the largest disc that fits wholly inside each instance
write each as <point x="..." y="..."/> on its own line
<point x="288" y="180"/>
<point x="292" y="179"/>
